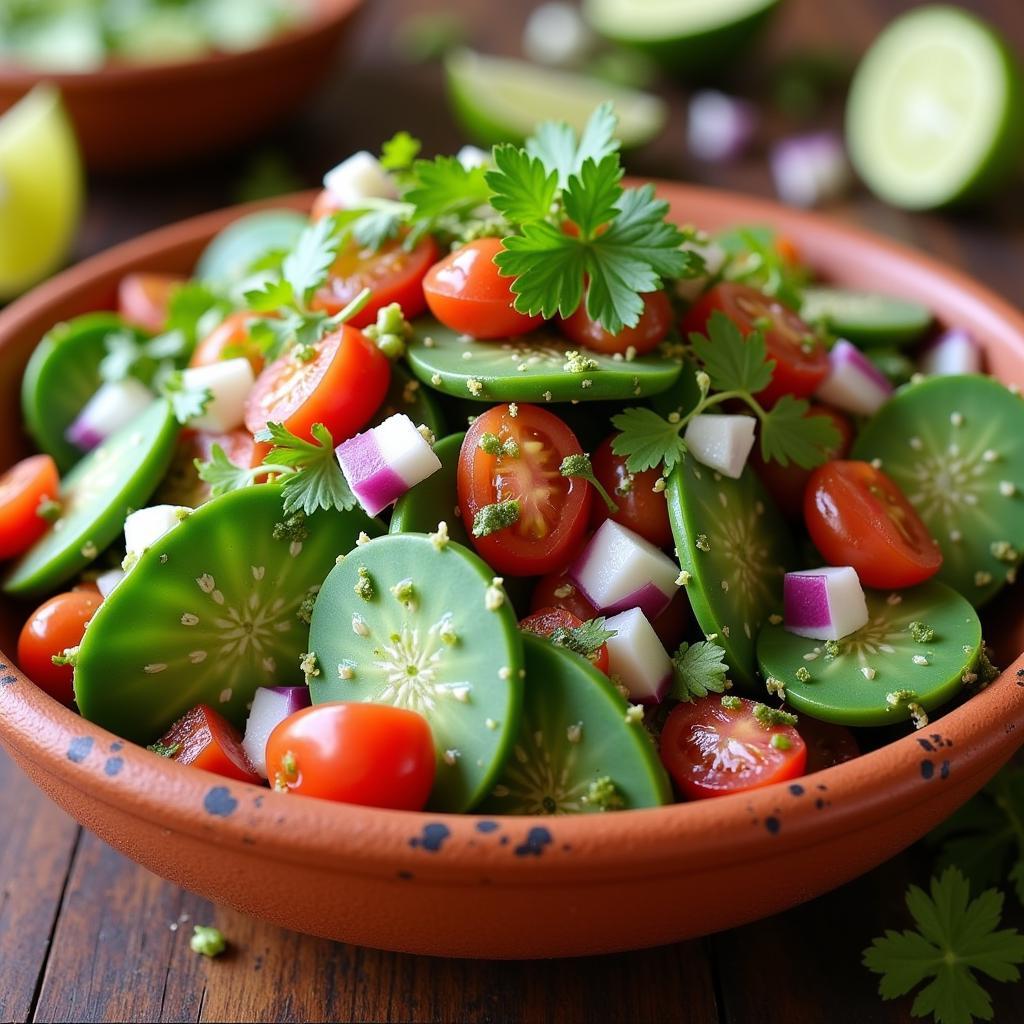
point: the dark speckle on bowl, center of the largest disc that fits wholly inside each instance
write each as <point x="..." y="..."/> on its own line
<point x="406" y="876"/>
<point x="7" y="680"/>
<point x="927" y="769"/>
<point x="219" y="801"/>
<point x="796" y="789"/>
<point x="536" y="840"/>
<point x="432" y="839"/>
<point x="113" y="766"/>
<point x="78" y="749"/>
<point x="772" y="824"/>
<point x="487" y="826"/>
<point x="116" y="746"/>
<point x="944" y="770"/>
<point x="1020" y="677"/>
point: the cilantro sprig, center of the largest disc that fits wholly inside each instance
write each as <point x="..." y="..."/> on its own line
<point x="956" y="939"/>
<point x="585" y="639"/>
<point x="734" y="368"/>
<point x="697" y="670"/>
<point x="754" y="257"/>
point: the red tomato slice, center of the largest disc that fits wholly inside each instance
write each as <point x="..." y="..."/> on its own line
<point x="205" y="739"/>
<point x="342" y="386"/>
<point x="710" y="750"/>
<point x="370" y="754"/>
<point x="143" y="300"/>
<point x="392" y="273"/>
<point x="466" y="293"/>
<point x="856" y="515"/>
<point x="230" y="340"/>
<point x="651" y="330"/>
<point x="545" y="621"/>
<point x="553" y="509"/>
<point x="641" y="508"/>
<point x="555" y="589"/>
<point x="786" y="484"/>
<point x="827" y="744"/>
<point x="801" y="361"/>
<point x="22" y="488"/>
<point x="51" y="629"/>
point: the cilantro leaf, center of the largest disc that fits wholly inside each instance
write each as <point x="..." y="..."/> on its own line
<point x="647" y="440"/>
<point x="223" y="475"/>
<point x="698" y="669"/>
<point x="788" y="434"/>
<point x="523" y="188"/>
<point x="592" y="195"/>
<point x="378" y="225"/>
<point x="398" y="153"/>
<point x="585" y="639"/>
<point x="317" y="481"/>
<point x="272" y="295"/>
<point x="124" y="353"/>
<point x="554" y="143"/>
<point x="306" y="267"/>
<point x="955" y="937"/>
<point x="187" y="403"/>
<point x="548" y="266"/>
<point x="732" y="362"/>
<point x="444" y="188"/>
<point x="755" y="259"/>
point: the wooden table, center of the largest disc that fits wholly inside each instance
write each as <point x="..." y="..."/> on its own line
<point x="87" y="935"/>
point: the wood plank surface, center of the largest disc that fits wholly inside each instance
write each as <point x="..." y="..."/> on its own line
<point x="87" y="935"/>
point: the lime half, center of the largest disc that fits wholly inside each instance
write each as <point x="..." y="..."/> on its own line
<point x="500" y="100"/>
<point x="935" y="113"/>
<point x="40" y="189"/>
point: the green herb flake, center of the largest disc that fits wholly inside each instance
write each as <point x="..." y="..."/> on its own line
<point x="364" y="584"/>
<point x="922" y="634"/>
<point x="168" y="750"/>
<point x="580" y="467"/>
<point x="499" y="516"/>
<point x="604" y="794"/>
<point x="699" y="669"/>
<point x="770" y="717"/>
<point x="586" y="639"/>
<point x="731" y="703"/>
<point x="207" y="941"/>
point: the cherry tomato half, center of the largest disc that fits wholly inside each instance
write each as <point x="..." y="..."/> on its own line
<point x="51" y="629"/>
<point x="710" y="750"/>
<point x="22" y="488"/>
<point x="205" y="739"/>
<point x="230" y="340"/>
<point x="553" y="509"/>
<point x="555" y="589"/>
<point x="641" y="508"/>
<point x="649" y="332"/>
<point x="801" y="361"/>
<point x="143" y="300"/>
<point x="342" y="386"/>
<point x="392" y="273"/>
<point x="546" y="620"/>
<point x="466" y="293"/>
<point x="856" y="515"/>
<point x="786" y="484"/>
<point x="370" y="754"/>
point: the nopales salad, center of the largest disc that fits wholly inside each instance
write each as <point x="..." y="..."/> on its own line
<point x="490" y="487"/>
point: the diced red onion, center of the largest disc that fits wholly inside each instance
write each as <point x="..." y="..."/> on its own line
<point x="824" y="604"/>
<point x="619" y="569"/>
<point x="720" y="127"/>
<point x="384" y="462"/>
<point x="810" y="169"/>
<point x="854" y="383"/>
<point x="271" y="705"/>
<point x="637" y="658"/>
<point x="721" y="442"/>
<point x="113" y="406"/>
<point x="954" y="352"/>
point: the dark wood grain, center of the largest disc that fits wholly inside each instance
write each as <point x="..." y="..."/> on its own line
<point x="87" y="935"/>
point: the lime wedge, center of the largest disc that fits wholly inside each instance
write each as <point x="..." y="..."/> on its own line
<point x="935" y="113"/>
<point x="40" y="189"/>
<point x="688" y="37"/>
<point x="500" y="100"/>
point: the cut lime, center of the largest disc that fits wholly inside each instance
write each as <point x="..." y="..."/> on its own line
<point x="868" y="319"/>
<point x="40" y="189"/>
<point x="500" y="100"/>
<point x="688" y="37"/>
<point x="935" y="112"/>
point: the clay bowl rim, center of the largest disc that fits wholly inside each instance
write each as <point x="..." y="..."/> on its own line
<point x="656" y="842"/>
<point x="326" y="15"/>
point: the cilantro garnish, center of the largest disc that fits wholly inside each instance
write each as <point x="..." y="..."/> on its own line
<point x="443" y="188"/>
<point x="735" y="368"/>
<point x="698" y="669"/>
<point x="580" y="466"/>
<point x="955" y="938"/>
<point x="399" y="152"/>
<point x="316" y="480"/>
<point x="755" y="259"/>
<point x="187" y="403"/>
<point x="554" y="143"/>
<point x="499" y="516"/>
<point x="223" y="475"/>
<point x="164" y="749"/>
<point x="585" y="639"/>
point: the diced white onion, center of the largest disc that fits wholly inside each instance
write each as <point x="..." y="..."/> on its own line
<point x="144" y="528"/>
<point x="854" y="384"/>
<point x="955" y="352"/>
<point x="721" y="442"/>
<point x="359" y="178"/>
<point x="229" y="382"/>
<point x="810" y="170"/>
<point x="637" y="658"/>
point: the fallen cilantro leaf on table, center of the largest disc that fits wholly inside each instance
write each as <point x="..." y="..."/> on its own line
<point x="316" y="481"/>
<point x="698" y="669"/>
<point x="955" y="938"/>
<point x="584" y="639"/>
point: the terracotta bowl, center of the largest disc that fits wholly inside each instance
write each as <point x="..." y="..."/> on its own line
<point x="518" y="887"/>
<point x="129" y="116"/>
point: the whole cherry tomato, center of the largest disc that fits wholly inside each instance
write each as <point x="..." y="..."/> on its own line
<point x="641" y="508"/>
<point x="649" y="332"/>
